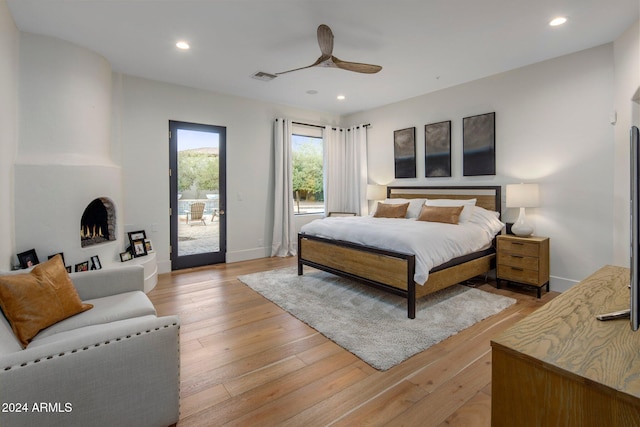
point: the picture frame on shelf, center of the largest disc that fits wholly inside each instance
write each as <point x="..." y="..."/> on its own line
<point x="68" y="267"/>
<point x="82" y="266"/>
<point x="138" y="248"/>
<point x="28" y="258"/>
<point x="125" y="256"/>
<point x="136" y="235"/>
<point x="61" y="255"/>
<point x="148" y="246"/>
<point x="437" y="149"/>
<point x="404" y="152"/>
<point x="95" y="263"/>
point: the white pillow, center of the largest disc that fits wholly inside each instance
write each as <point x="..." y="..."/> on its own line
<point x="415" y="206"/>
<point x="466" y="211"/>
<point x="487" y="219"/>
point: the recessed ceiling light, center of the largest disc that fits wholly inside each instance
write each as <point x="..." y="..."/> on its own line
<point x="182" y="45"/>
<point x="558" y="21"/>
<point x="312" y="92"/>
<point x="341" y="97"/>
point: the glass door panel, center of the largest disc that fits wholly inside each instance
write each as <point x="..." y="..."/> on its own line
<point x="198" y="233"/>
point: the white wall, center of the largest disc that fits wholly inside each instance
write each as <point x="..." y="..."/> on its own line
<point x="9" y="42"/>
<point x="552" y="127"/>
<point x="627" y="83"/>
<point x="145" y="108"/>
<point x="64" y="156"/>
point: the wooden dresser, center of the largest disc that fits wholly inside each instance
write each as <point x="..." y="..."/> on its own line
<point x="561" y="366"/>
<point x="523" y="260"/>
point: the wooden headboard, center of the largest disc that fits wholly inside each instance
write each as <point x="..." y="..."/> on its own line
<point x="488" y="197"/>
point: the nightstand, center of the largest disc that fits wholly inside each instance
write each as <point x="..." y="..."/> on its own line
<point x="524" y="260"/>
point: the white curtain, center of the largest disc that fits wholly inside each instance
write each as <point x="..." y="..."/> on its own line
<point x="334" y="154"/>
<point x="356" y="170"/>
<point x="345" y="169"/>
<point x="285" y="241"/>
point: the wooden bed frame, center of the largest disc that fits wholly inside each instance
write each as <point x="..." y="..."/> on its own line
<point x="394" y="271"/>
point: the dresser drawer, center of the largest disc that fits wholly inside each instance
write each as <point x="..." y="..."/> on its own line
<point x="519" y="248"/>
<point x="517" y="274"/>
<point x="520" y="261"/>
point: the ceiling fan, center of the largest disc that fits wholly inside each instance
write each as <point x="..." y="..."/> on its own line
<point x="325" y="41"/>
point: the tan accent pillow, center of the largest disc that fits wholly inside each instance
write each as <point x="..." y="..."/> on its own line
<point x="448" y="215"/>
<point x="36" y="300"/>
<point x="391" y="210"/>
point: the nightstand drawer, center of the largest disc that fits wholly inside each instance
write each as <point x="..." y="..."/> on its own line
<point x="519" y="248"/>
<point x="517" y="274"/>
<point x="526" y="262"/>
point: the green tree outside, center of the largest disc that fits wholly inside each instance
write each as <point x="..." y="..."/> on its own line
<point x="198" y="172"/>
<point x="307" y="164"/>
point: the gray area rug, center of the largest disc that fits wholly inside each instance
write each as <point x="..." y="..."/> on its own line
<point x="370" y="323"/>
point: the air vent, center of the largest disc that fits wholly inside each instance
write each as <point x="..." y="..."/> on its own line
<point x="265" y="77"/>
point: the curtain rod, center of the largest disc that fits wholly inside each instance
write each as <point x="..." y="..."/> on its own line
<point x="322" y="127"/>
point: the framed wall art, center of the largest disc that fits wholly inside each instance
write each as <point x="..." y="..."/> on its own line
<point x="479" y="145"/>
<point x="437" y="149"/>
<point x="404" y="152"/>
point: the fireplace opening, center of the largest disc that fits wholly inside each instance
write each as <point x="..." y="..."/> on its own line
<point x="98" y="223"/>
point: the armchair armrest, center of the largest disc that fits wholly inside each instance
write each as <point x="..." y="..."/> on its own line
<point x="109" y="281"/>
<point x="123" y="373"/>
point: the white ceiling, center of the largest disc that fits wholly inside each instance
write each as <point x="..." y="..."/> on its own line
<point x="422" y="45"/>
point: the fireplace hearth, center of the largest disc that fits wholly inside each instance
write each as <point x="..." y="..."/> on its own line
<point x="98" y="224"/>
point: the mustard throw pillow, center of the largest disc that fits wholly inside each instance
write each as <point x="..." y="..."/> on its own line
<point x="36" y="300"/>
<point x="447" y="215"/>
<point x="387" y="210"/>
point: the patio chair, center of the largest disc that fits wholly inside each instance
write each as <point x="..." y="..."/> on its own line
<point x="196" y="213"/>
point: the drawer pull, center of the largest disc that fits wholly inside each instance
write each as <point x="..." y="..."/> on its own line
<point x="517" y="269"/>
<point x="517" y="256"/>
<point x="517" y="243"/>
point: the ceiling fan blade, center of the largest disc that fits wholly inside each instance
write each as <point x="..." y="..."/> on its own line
<point x="325" y="40"/>
<point x="356" y="66"/>
<point x="318" y="61"/>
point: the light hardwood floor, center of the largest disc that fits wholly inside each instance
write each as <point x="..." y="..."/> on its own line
<point x="246" y="362"/>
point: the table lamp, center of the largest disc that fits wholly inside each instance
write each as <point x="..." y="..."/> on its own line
<point x="376" y="192"/>
<point x="522" y="196"/>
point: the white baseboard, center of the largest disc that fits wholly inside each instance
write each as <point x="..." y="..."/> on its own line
<point x="248" y="254"/>
<point x="164" y="266"/>
<point x="561" y="284"/>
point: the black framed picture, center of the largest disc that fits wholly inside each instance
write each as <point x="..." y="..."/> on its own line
<point x="404" y="152"/>
<point x="28" y="258"/>
<point x="61" y="255"/>
<point x="138" y="248"/>
<point x="136" y="235"/>
<point x="95" y="263"/>
<point x="83" y="266"/>
<point x="148" y="246"/>
<point x="479" y="145"/>
<point x="437" y="149"/>
<point x="125" y="256"/>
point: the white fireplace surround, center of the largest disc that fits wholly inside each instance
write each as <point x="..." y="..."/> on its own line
<point x="64" y="158"/>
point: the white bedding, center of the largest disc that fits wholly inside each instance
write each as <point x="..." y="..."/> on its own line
<point x="432" y="243"/>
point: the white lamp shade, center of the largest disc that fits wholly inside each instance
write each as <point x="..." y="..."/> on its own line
<point x="376" y="192"/>
<point x="523" y="196"/>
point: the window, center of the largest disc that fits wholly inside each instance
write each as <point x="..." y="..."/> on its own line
<point x="308" y="180"/>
